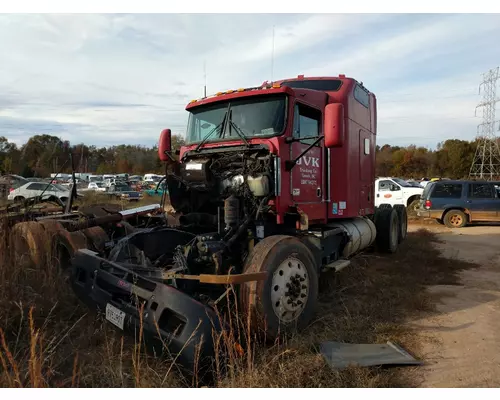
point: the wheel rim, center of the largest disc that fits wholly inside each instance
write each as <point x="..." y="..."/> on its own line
<point x="289" y="289"/>
<point x="456" y="220"/>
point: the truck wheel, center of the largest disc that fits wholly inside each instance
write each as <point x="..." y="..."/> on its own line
<point x="384" y="206"/>
<point x="64" y="244"/>
<point x="387" y="224"/>
<point x="403" y="221"/>
<point x="96" y="237"/>
<point x="285" y="301"/>
<point x="455" y="219"/>
<point x="27" y="241"/>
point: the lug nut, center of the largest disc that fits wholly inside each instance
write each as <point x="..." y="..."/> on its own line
<point x="302" y="279"/>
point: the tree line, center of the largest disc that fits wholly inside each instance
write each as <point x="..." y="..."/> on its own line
<point x="45" y="154"/>
<point x="42" y="155"/>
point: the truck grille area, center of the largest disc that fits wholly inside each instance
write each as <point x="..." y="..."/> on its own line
<point x="171" y="322"/>
<point x="121" y="296"/>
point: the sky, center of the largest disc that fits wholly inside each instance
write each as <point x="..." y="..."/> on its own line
<point x="107" y="79"/>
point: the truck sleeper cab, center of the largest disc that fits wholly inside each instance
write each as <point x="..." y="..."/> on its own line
<point x="273" y="185"/>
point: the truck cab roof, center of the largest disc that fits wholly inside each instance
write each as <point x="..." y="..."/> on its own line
<point x="337" y="88"/>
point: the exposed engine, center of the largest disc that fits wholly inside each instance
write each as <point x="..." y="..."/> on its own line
<point x="220" y="197"/>
<point x="234" y="183"/>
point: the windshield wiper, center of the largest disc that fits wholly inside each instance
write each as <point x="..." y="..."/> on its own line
<point x="239" y="132"/>
<point x="209" y="134"/>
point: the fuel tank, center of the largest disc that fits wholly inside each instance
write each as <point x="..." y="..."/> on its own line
<point x="361" y="232"/>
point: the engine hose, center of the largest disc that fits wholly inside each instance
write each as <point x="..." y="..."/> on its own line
<point x="240" y="230"/>
<point x="260" y="207"/>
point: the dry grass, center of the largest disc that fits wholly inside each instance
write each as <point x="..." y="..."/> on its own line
<point x="49" y="339"/>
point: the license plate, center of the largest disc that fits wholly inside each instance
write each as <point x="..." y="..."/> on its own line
<point x="115" y="316"/>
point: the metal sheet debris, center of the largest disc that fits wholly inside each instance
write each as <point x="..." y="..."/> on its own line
<point x="342" y="355"/>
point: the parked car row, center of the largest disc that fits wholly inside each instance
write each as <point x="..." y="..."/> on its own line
<point x="17" y="188"/>
<point x="39" y="189"/>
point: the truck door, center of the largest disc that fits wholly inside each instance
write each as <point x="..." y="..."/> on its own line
<point x="365" y="173"/>
<point x="307" y="183"/>
<point x="388" y="192"/>
<point x="482" y="202"/>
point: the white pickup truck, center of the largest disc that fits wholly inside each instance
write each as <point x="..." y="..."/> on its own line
<point x="396" y="191"/>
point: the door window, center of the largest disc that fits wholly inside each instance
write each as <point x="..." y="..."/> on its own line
<point x="37" y="186"/>
<point x="387" y="186"/>
<point x="306" y="123"/>
<point x="480" y="191"/>
<point x="447" y="190"/>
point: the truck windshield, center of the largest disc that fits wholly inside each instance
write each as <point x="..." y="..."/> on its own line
<point x="257" y="116"/>
<point x="401" y="182"/>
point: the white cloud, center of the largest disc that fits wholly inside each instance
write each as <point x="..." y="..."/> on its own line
<point x="106" y="78"/>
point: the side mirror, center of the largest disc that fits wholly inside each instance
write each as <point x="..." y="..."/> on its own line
<point x="334" y="125"/>
<point x="165" y="145"/>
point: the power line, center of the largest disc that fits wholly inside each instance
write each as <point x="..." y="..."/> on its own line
<point x="486" y="163"/>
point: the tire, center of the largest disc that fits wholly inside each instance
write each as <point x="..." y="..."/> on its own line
<point x="403" y="222"/>
<point x="96" y="238"/>
<point x="19" y="199"/>
<point x="414" y="205"/>
<point x="384" y="206"/>
<point x="64" y="244"/>
<point x="455" y="219"/>
<point x="27" y="243"/>
<point x="387" y="224"/>
<point x="268" y="304"/>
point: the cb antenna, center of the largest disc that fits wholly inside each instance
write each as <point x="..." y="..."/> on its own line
<point x="205" y="78"/>
<point x="272" y="60"/>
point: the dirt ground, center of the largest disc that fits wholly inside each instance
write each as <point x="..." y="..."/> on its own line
<point x="462" y="341"/>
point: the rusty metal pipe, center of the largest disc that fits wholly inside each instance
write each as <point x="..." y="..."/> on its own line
<point x="91" y="222"/>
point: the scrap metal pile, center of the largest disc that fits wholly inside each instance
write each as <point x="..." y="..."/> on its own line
<point x="37" y="229"/>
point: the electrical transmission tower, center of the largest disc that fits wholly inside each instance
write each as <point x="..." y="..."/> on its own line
<point x="486" y="163"/>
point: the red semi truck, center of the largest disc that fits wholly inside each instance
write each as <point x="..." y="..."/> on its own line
<point x="274" y="184"/>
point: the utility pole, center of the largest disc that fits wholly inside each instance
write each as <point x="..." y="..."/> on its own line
<point x="486" y="163"/>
